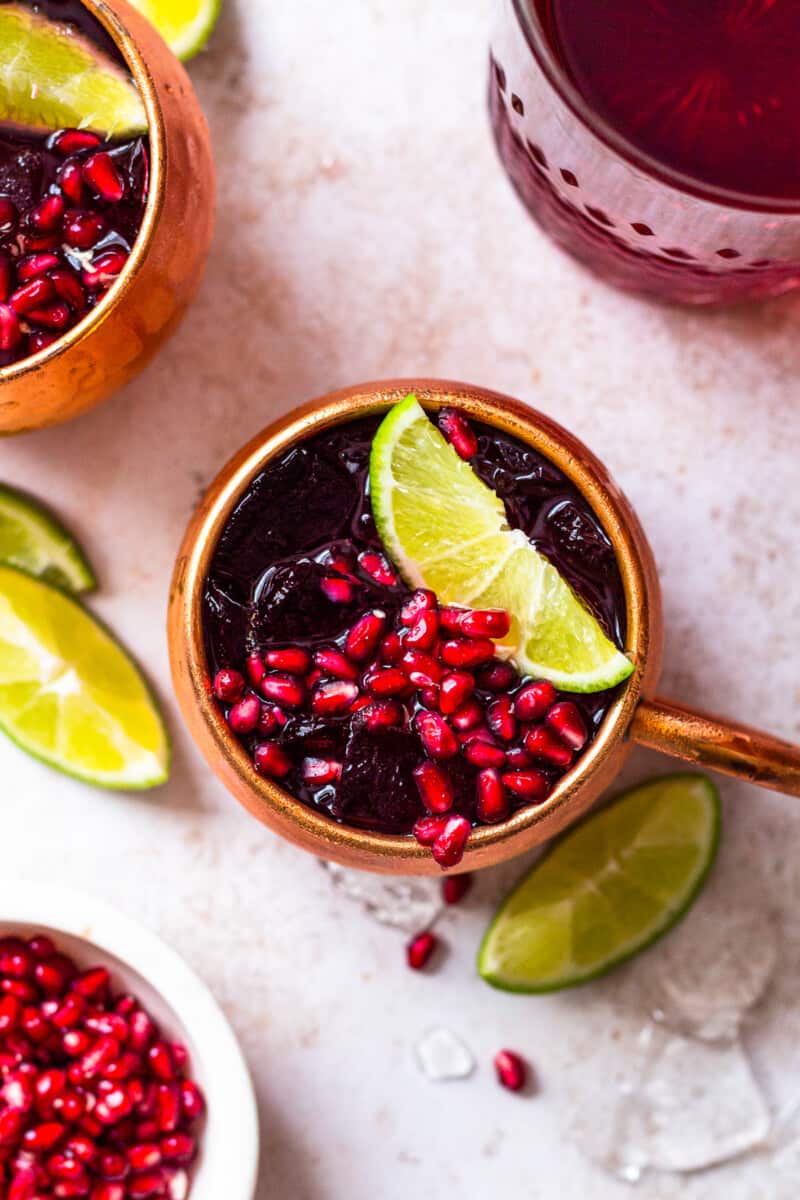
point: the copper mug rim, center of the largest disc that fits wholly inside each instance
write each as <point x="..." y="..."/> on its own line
<point x="142" y="75"/>
<point x="634" y="716"/>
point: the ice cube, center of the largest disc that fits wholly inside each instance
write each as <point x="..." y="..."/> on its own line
<point x="407" y="904"/>
<point x="442" y="1056"/>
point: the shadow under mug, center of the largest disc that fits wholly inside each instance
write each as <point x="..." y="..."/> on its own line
<point x="636" y="716"/>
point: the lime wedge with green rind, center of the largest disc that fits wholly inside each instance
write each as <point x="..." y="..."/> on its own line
<point x="185" y="25"/>
<point x="53" y="78"/>
<point x="34" y="540"/>
<point x="69" y="693"/>
<point x="607" y="890"/>
<point x="447" y="531"/>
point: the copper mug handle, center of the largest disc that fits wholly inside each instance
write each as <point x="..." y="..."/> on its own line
<point x="718" y="743"/>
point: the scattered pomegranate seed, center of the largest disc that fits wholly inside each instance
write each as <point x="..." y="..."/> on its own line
<point x="532" y="785"/>
<point x="245" y="715"/>
<point x="566" y="720"/>
<point x="486" y="623"/>
<point x="424" y="633"/>
<point x="228" y="686"/>
<point x="272" y="760"/>
<point x="420" y="950"/>
<point x="512" y="1072"/>
<point x="320" y="771"/>
<point x="492" y="804"/>
<point x="422" y="669"/>
<point x="286" y="690"/>
<point x="532" y="702"/>
<point x="448" y="849"/>
<point x="293" y="660"/>
<point x="501" y="720"/>
<point x="542" y="743"/>
<point x="455" y="888"/>
<point x="383" y="714"/>
<point x="378" y="569"/>
<point x="362" y="640"/>
<point x="72" y="141"/>
<point x="437" y="737"/>
<point x="420" y="601"/>
<point x="386" y="681"/>
<point x="458" y="433"/>
<point x="455" y="690"/>
<point x="101" y="174"/>
<point x="330" y="699"/>
<point x="434" y="786"/>
<point x="334" y="662"/>
<point x="338" y="591"/>
<point x="467" y="652"/>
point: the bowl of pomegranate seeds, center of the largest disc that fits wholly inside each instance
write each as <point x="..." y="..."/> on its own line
<point x="120" y="1078"/>
<point x="101" y="141"/>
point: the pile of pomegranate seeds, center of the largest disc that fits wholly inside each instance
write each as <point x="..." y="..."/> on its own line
<point x="433" y="672"/>
<point x="67" y="222"/>
<point x="94" y="1102"/>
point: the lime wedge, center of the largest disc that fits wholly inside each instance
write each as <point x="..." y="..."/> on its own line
<point x="607" y="890"/>
<point x="447" y="531"/>
<point x="70" y="695"/>
<point x="53" y="78"/>
<point x="185" y="25"/>
<point x="34" y="540"/>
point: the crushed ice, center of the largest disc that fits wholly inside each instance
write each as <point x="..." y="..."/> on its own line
<point x="407" y="904"/>
<point x="442" y="1056"/>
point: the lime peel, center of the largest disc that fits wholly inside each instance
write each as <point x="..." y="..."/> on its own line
<point x="185" y="25"/>
<point x="447" y="531"/>
<point x="34" y="540"/>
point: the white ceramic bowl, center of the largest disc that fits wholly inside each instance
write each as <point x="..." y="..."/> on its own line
<point x="93" y="932"/>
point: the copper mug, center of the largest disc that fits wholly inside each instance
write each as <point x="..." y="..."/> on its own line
<point x="636" y="717"/>
<point x="119" y="337"/>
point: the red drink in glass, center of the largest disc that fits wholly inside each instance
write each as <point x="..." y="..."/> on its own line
<point x="658" y="140"/>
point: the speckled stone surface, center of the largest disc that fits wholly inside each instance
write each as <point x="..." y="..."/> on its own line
<point x="366" y="230"/>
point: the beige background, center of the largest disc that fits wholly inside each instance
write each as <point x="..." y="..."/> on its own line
<point x="366" y="230"/>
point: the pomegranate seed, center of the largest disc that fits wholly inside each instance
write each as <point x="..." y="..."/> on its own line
<point x="75" y="1042"/>
<point x="33" y="295"/>
<point x="102" y="176"/>
<point x="24" y="1183"/>
<point x="149" y="1184"/>
<point x="271" y="718"/>
<point x="497" y="676"/>
<point x="422" y="669"/>
<point x="566" y="720"/>
<point x="105" y="1050"/>
<point x="424" y="633"/>
<point x="228" y="686"/>
<point x="333" y="698"/>
<point x="294" y="660"/>
<point x="436" y="736"/>
<point x="35" y="1026"/>
<point x="420" y="949"/>
<point x="542" y="743"/>
<point x="450" y="618"/>
<point x="17" y="1091"/>
<point x="391" y="648"/>
<point x="12" y="1122"/>
<point x="168" y="1107"/>
<point x="113" y="1165"/>
<point x="532" y="785"/>
<point x="178" y="1148"/>
<point x="55" y="316"/>
<point x="44" y="1137"/>
<point x="429" y="697"/>
<point x="70" y="180"/>
<point x="378" y="569"/>
<point x="338" y="591"/>
<point x="334" y="662"/>
<point x="47" y="214"/>
<point x="49" y="1087"/>
<point x="386" y="681"/>
<point x="458" y="433"/>
<point x="449" y="847"/>
<point x="105" y="269"/>
<point x="255" y="669"/>
<point x="518" y="759"/>
<point x="492" y="804"/>
<point x="82" y="230"/>
<point x="82" y="1148"/>
<point x="272" y="760"/>
<point x="35" y="265"/>
<point x="244" y="716"/>
<point x="143" y="1030"/>
<point x="455" y="690"/>
<point x="285" y="690"/>
<point x="533" y="701"/>
<point x="68" y="288"/>
<point x="8" y="216"/>
<point x="6" y="276"/>
<point x="362" y="640"/>
<point x="420" y="601"/>
<point x="511" y="1070"/>
<point x="70" y="1012"/>
<point x="40" y="341"/>
<point x="467" y="652"/>
<point x="501" y="720"/>
<point x="192" y="1101"/>
<point x="144" y="1156"/>
<point x="320" y="771"/>
<point x="486" y="623"/>
<point x="483" y="753"/>
<point x="434" y="786"/>
<point x="72" y="141"/>
<point x="109" y="1191"/>
<point x="10" y="1014"/>
<point x="114" y="1106"/>
<point x="428" y="830"/>
<point x="383" y="714"/>
<point x="468" y="716"/>
<point x="455" y="888"/>
<point x="20" y="988"/>
<point x="159" y="1060"/>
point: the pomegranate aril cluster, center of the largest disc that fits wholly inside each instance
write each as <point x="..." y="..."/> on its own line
<point x="432" y="671"/>
<point x="94" y="1101"/>
<point x="63" y="247"/>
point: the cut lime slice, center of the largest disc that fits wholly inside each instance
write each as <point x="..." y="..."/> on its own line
<point x="607" y="890"/>
<point x="447" y="531"/>
<point x="53" y="78"/>
<point x="185" y="25"/>
<point x="34" y="540"/>
<point x="70" y="695"/>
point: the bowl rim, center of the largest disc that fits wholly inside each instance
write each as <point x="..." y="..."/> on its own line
<point x="105" y="12"/>
<point x="268" y="801"/>
<point x="77" y="914"/>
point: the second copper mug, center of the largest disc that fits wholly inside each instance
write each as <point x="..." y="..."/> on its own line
<point x="637" y="715"/>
